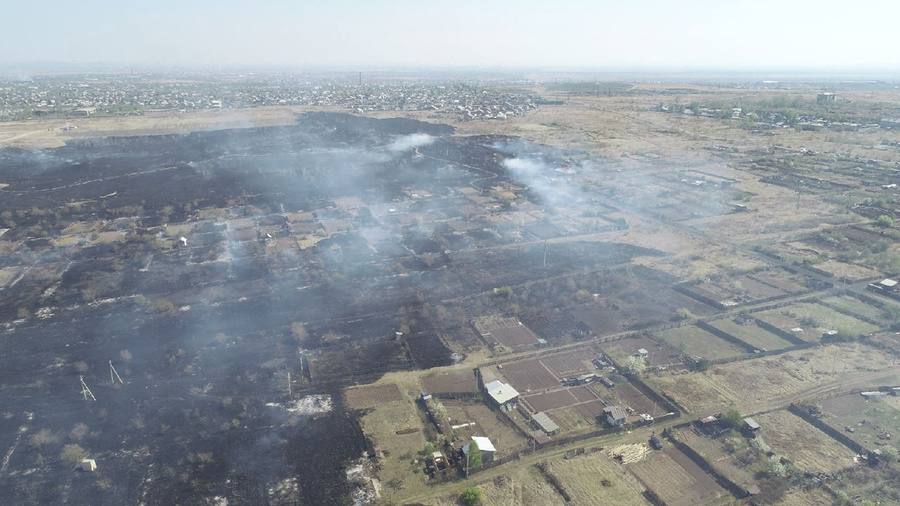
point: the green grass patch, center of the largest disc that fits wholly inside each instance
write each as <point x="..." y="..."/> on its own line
<point x="855" y="306"/>
<point x="752" y="334"/>
<point x="696" y="341"/>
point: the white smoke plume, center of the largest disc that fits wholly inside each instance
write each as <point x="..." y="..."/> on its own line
<point x="408" y="142"/>
<point x="551" y="185"/>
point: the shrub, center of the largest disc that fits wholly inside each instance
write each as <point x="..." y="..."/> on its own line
<point x="163" y="306"/>
<point x="683" y="314"/>
<point x="471" y="496"/>
<point x="72" y="454"/>
<point x="78" y="432"/>
<point x="884" y="221"/>
<point x="43" y="437"/>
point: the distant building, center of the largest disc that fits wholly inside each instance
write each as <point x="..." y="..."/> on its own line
<point x="501" y="394"/>
<point x="484" y="446"/>
<point x="583" y="330"/>
<point x="615" y="415"/>
<point x="88" y="465"/>
<point x="885" y="285"/>
<point x="83" y="112"/>
<point x="825" y="97"/>
<point x="888" y="284"/>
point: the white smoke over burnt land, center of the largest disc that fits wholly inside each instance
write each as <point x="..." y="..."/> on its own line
<point x="408" y="142"/>
<point x="549" y="183"/>
<point x="305" y="249"/>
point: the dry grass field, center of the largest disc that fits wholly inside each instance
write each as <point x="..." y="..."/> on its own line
<point x="800" y="497"/>
<point x="869" y="419"/>
<point x="806" y="446"/>
<point x="524" y="486"/>
<point x="714" y="452"/>
<point x="855" y="306"/>
<point x="370" y="396"/>
<point x="397" y="429"/>
<point x="757" y="383"/>
<point x="450" y="382"/>
<point x="676" y="479"/>
<point x="596" y="479"/>
<point x="48" y="133"/>
<point x="696" y="341"/>
<point x="752" y="334"/>
<point x="488" y="423"/>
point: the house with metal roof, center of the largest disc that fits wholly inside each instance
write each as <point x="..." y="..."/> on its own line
<point x="484" y="446"/>
<point x="615" y="415"/>
<point x="501" y="394"/>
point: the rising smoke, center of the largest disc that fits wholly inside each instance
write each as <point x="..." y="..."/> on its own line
<point x="408" y="142"/>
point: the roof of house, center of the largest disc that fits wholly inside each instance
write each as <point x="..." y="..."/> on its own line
<point x="501" y="392"/>
<point x="888" y="282"/>
<point x="617" y="412"/>
<point x="546" y="424"/>
<point x="484" y="444"/>
<point x="493" y="384"/>
<point x="751" y="423"/>
<point x="87" y="465"/>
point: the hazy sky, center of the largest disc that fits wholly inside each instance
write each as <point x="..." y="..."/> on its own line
<point x="602" y="33"/>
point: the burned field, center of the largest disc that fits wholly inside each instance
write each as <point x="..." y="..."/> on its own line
<point x="228" y="276"/>
<point x="256" y="310"/>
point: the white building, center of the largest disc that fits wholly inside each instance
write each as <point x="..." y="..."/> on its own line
<point x="502" y="394"/>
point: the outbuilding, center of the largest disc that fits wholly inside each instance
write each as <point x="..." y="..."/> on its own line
<point x="484" y="446"/>
<point x="545" y="424"/>
<point x="87" y="465"/>
<point x="615" y="415"/>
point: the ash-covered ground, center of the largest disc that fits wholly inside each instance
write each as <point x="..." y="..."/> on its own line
<point x="236" y="281"/>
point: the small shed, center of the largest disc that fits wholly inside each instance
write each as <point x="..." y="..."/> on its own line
<point x="540" y="437"/>
<point x="751" y="424"/>
<point x="544" y="423"/>
<point x="888" y="284"/>
<point x="484" y="446"/>
<point x="615" y="415"/>
<point x="643" y="353"/>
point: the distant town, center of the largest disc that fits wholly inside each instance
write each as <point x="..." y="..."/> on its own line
<point x="81" y="96"/>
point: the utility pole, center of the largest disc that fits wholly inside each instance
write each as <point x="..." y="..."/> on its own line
<point x="85" y="391"/>
<point x="467" y="460"/>
<point x="112" y="373"/>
